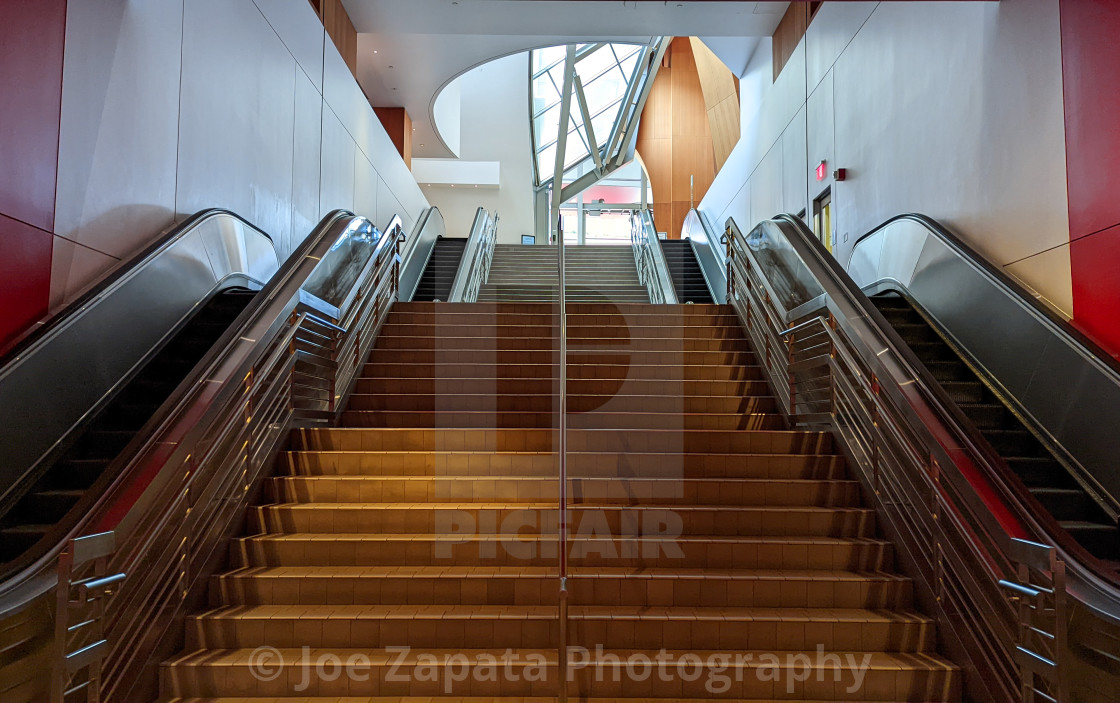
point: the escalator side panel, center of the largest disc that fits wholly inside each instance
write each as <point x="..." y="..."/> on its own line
<point x="52" y="498"/>
<point x="54" y="378"/>
<point x="1044" y="476"/>
<point x="1060" y="379"/>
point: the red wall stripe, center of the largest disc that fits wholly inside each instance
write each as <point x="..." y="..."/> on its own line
<point x="32" y="39"/>
<point x="25" y="270"/>
<point x="1091" y="77"/>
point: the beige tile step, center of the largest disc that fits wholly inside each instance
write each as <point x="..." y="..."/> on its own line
<point x="579" y="440"/>
<point x="512" y="368"/>
<point x="551" y="387"/>
<point x="547" y="402"/>
<point x="541" y="356"/>
<point x="520" y="585"/>
<point x="509" y="516"/>
<point x="599" y="490"/>
<point x="463" y="699"/>
<point x="537" y="626"/>
<point x="746" y="674"/>
<point x="687" y="552"/>
<point x="667" y="465"/>
<point x="599" y="418"/>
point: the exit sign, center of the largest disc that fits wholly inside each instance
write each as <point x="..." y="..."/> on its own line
<point x="822" y="170"/>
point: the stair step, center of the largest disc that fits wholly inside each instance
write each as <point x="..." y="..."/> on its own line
<point x="688" y="551"/>
<point x="602" y="490"/>
<point x="537" y="627"/>
<point x="521" y="585"/>
<point x="435" y="672"/>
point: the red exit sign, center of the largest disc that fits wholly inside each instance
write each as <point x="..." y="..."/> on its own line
<point x="822" y="170"/>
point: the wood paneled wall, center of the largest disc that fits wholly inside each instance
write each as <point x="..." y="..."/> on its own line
<point x="340" y="29"/>
<point x="398" y="124"/>
<point x="790" y="30"/>
<point x="674" y="139"/>
<point x="721" y="100"/>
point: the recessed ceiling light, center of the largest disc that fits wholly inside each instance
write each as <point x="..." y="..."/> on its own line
<point x="375" y="51"/>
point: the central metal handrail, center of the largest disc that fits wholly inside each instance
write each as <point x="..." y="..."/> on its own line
<point x="982" y="559"/>
<point x="184" y="489"/>
<point x="474" y="267"/>
<point x="649" y="258"/>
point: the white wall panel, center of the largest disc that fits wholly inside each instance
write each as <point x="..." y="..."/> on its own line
<point x="116" y="175"/>
<point x="306" y="145"/>
<point x="794" y="179"/>
<point x="73" y="268"/>
<point x="1049" y="273"/>
<point x="766" y="188"/>
<point x="365" y="188"/>
<point x="953" y="110"/>
<point x="821" y="131"/>
<point x="237" y="117"/>
<point x="833" y="27"/>
<point x="297" y="25"/>
<point x="176" y="106"/>
<point x="336" y="189"/>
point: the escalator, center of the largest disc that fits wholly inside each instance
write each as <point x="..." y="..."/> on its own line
<point x="66" y="485"/>
<point x="81" y="389"/>
<point x="439" y="274"/>
<point x="1043" y="475"/>
<point x="684" y="269"/>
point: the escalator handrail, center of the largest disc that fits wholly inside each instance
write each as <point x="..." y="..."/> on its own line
<point x="931" y="411"/>
<point x="36" y="335"/>
<point x="710" y="255"/>
<point x="474" y="264"/>
<point x="415" y="258"/>
<point x="649" y="258"/>
<point x="239" y="399"/>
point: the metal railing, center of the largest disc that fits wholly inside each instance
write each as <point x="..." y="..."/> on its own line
<point x="649" y="258"/>
<point x="977" y="552"/>
<point x="287" y="362"/>
<point x="474" y="267"/>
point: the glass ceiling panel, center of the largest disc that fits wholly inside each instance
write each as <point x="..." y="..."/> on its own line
<point x="605" y="71"/>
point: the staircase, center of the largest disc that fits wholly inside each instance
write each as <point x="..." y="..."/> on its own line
<point x="428" y="520"/>
<point x="684" y="269"/>
<point x="439" y="274"/>
<point x="528" y="274"/>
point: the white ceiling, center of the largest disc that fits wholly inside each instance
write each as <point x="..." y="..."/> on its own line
<point x="408" y="50"/>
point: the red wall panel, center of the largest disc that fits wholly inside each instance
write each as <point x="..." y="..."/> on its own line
<point x="1091" y="76"/>
<point x="32" y="34"/>
<point x="1095" y="265"/>
<point x="25" y="272"/>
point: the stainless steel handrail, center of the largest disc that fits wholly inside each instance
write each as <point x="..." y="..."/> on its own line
<point x="184" y="488"/>
<point x="649" y="258"/>
<point x="969" y="538"/>
<point x="474" y="267"/>
<point x="709" y="253"/>
<point x="415" y="257"/>
<point x="562" y="456"/>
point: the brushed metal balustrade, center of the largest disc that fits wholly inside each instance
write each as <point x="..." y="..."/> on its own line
<point x="985" y="566"/>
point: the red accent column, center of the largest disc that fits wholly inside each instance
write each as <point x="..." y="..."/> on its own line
<point x="32" y="36"/>
<point x="1091" y="74"/>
